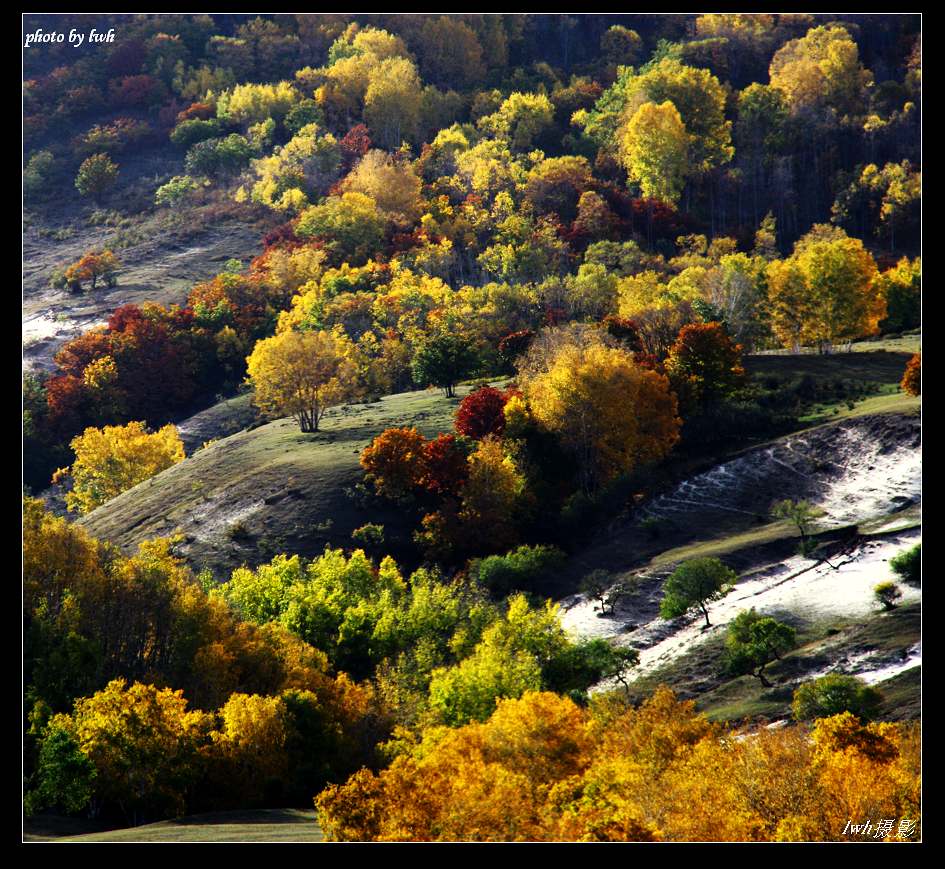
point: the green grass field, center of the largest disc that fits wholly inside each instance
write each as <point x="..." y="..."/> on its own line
<point x="264" y="825"/>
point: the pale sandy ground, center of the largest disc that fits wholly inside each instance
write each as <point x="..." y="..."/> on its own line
<point x="872" y="483"/>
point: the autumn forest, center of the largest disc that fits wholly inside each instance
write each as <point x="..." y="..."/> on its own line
<point x="472" y="427"/>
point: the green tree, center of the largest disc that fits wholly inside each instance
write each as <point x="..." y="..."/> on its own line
<point x="442" y="360"/>
<point x="834" y="694"/>
<point x="694" y="584"/>
<point x="64" y="776"/>
<point x="802" y="515"/>
<point x="351" y="226"/>
<point x="96" y="175"/>
<point x="38" y="174"/>
<point x="753" y="641"/>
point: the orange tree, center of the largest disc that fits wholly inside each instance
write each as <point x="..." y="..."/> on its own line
<point x="912" y="378"/>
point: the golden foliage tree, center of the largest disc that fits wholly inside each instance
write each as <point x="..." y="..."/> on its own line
<point x="142" y="742"/>
<point x="610" y="413"/>
<point x="653" y="148"/>
<point x="826" y="292"/>
<point x="302" y="374"/>
<point x="112" y="459"/>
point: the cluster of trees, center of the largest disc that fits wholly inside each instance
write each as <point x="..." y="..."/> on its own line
<point x="731" y="114"/>
<point x="438" y="650"/>
<point x="148" y="695"/>
<point x="542" y="769"/>
<point x="580" y="396"/>
<point x="430" y="223"/>
<point x="136" y="680"/>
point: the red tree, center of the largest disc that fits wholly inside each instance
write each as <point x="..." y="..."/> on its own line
<point x="480" y="413"/>
<point x="705" y="363"/>
<point x="354" y="145"/>
<point x="515" y="344"/>
<point x="445" y="466"/>
<point x="395" y="461"/>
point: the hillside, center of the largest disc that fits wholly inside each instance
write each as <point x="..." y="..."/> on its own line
<point x="271" y="489"/>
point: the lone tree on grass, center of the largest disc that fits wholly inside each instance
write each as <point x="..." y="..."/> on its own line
<point x="802" y="514"/>
<point x="443" y="360"/>
<point x="600" y="586"/>
<point x="694" y="584"/>
<point x="754" y="641"/>
<point x="92" y="267"/>
<point x="302" y="374"/>
<point x="96" y="175"/>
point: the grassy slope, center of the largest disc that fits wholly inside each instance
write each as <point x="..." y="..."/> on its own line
<point x="265" y="825"/>
<point x="879" y="364"/>
<point x="273" y="489"/>
<point x="699" y="673"/>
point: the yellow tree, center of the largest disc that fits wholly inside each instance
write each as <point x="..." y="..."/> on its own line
<point x="392" y="102"/>
<point x="611" y="414"/>
<point x="112" y="459"/>
<point x="251" y="744"/>
<point x="391" y="183"/>
<point x="654" y="150"/>
<point x="821" y="70"/>
<point x="491" y="496"/>
<point x="842" y="299"/>
<point x="143" y="743"/>
<point x="302" y="374"/>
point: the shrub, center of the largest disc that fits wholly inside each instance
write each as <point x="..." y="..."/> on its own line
<point x="887" y="593"/>
<point x="833" y="694"/>
<point x="195" y="130"/>
<point x="908" y="565"/>
<point x="175" y="191"/>
<point x="517" y="570"/>
<point x="912" y="378"/>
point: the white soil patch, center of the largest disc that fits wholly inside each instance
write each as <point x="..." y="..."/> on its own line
<point x="873" y="482"/>
<point x="798" y="587"/>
